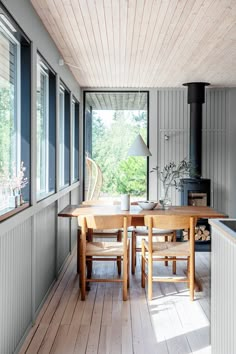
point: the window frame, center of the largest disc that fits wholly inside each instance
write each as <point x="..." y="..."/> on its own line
<point x="65" y="159"/>
<point x="5" y="32"/>
<point x="17" y="91"/>
<point x="74" y="117"/>
<point x="62" y="137"/>
<point x="42" y="69"/>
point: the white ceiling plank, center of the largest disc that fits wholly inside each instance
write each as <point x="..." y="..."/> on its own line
<point x="190" y="32"/>
<point x="144" y="43"/>
<point x="131" y="13"/>
<point x="123" y="30"/>
<point x="96" y="39"/>
<point x="154" y="48"/>
<point x="136" y="52"/>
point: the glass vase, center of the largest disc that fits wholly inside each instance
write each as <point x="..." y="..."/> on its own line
<point x="165" y="200"/>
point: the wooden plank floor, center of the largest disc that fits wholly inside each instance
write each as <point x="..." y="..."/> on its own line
<point x="105" y="324"/>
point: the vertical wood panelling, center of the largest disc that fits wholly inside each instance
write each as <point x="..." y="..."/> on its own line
<point x="15" y="285"/>
<point x="74" y="222"/>
<point x="223" y="291"/>
<point x="214" y="149"/>
<point x="173" y="121"/>
<point x="63" y="240"/>
<point x="45" y="252"/>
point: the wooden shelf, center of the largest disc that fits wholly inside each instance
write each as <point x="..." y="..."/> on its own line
<point x="12" y="211"/>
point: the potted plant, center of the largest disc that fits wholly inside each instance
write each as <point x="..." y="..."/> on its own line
<point x="171" y="176"/>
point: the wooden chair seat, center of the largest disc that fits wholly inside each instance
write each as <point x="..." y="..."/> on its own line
<point x="160" y="234"/>
<point x="169" y="249"/>
<point x="104" y="249"/>
<point x="175" y="251"/>
<point x="143" y="231"/>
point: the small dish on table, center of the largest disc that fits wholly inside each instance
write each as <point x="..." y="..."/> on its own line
<point x="147" y="205"/>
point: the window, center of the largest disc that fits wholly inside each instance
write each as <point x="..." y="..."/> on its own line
<point x="62" y="136"/>
<point x="45" y="130"/>
<point x="14" y="116"/>
<point x="112" y="122"/>
<point x="64" y="140"/>
<point x="75" y="140"/>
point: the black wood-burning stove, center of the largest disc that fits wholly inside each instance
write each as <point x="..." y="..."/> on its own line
<point x="196" y="190"/>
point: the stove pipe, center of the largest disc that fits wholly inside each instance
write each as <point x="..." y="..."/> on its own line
<point x="196" y="97"/>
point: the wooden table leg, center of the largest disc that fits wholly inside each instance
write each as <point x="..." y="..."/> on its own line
<point x="89" y="263"/>
<point x="78" y="250"/>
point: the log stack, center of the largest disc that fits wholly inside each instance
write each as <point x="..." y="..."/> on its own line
<point x="201" y="233"/>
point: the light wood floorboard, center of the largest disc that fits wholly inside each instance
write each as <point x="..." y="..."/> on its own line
<point x="170" y="323"/>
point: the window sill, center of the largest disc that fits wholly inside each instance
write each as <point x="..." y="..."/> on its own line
<point x="8" y="212"/>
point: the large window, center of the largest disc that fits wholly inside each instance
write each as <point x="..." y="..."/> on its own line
<point x="14" y="115"/>
<point x="62" y="136"/>
<point x="45" y="130"/>
<point x="112" y="122"/>
<point x="64" y="141"/>
<point x="75" y="140"/>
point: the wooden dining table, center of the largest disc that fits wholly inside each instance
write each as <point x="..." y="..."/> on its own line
<point x="137" y="214"/>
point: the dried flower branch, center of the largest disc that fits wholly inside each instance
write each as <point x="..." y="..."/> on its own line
<point x="172" y="174"/>
<point x="11" y="179"/>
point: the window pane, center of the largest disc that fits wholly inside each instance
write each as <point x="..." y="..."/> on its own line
<point x="75" y="141"/>
<point x="62" y="137"/>
<point x="44" y="140"/>
<point x="42" y="131"/>
<point x="9" y="120"/>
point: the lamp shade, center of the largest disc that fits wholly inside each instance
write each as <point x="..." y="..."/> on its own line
<point x="139" y="148"/>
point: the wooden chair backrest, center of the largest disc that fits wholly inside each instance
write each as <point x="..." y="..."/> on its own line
<point x="93" y="179"/>
<point x="173" y="222"/>
<point x="107" y="221"/>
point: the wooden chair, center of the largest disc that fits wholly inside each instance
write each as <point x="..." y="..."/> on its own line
<point x="137" y="232"/>
<point x="175" y="251"/>
<point x="93" y="185"/>
<point x="104" y="251"/>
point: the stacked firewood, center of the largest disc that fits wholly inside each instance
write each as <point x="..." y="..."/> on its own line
<point x="201" y="233"/>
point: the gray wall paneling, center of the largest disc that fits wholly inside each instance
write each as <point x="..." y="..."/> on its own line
<point x="45" y="257"/>
<point x="223" y="273"/>
<point x="15" y="285"/>
<point x="232" y="153"/>
<point x="74" y="223"/>
<point x="63" y="234"/>
<point x="32" y="253"/>
<point x="173" y="120"/>
<point x="31" y="249"/>
<point x="215" y="163"/>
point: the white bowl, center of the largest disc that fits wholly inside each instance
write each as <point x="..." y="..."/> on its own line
<point x="147" y="205"/>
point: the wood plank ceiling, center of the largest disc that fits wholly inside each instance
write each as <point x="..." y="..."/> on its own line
<point x="144" y="43"/>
